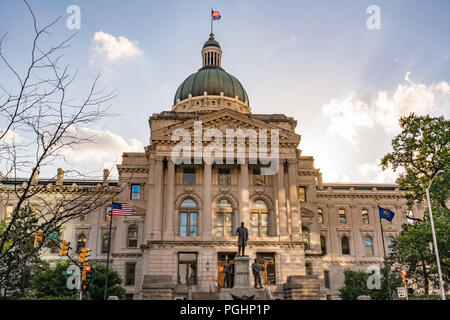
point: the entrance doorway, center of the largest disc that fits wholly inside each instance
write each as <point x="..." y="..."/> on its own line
<point x="267" y="261"/>
<point x="221" y="261"/>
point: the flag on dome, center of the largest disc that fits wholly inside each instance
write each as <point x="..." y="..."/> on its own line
<point x="215" y="15"/>
<point x="121" y="209"/>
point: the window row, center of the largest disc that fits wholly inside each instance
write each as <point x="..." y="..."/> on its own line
<point x="224" y="216"/>
<point x="345" y="244"/>
<point x="342" y="216"/>
<point x="132" y="239"/>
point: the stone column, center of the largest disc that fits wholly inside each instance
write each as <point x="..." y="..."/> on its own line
<point x="244" y="200"/>
<point x="293" y="196"/>
<point x="282" y="200"/>
<point x="169" y="209"/>
<point x="150" y="193"/>
<point x="207" y="219"/>
<point x="157" y="203"/>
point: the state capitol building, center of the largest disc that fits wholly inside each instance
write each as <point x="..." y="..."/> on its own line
<point x="304" y="232"/>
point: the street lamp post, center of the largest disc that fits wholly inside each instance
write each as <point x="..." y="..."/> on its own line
<point x="441" y="285"/>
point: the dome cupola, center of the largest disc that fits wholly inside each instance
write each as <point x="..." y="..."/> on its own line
<point x="211" y="87"/>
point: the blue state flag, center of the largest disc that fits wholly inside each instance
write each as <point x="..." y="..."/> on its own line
<point x="386" y="214"/>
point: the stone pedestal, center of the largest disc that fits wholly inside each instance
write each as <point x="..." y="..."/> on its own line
<point x="241" y="272"/>
<point x="242" y="285"/>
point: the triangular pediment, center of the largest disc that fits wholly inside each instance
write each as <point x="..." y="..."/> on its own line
<point x="222" y="120"/>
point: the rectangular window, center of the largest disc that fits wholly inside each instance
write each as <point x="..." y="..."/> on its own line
<point x="108" y="211"/>
<point x="320" y="215"/>
<point x="135" y="192"/>
<point x="130" y="274"/>
<point x="187" y="268"/>
<point x="189" y="175"/>
<point x="188" y="224"/>
<point x="8" y="212"/>
<point x="302" y="194"/>
<point x="323" y="244"/>
<point x="255" y="224"/>
<point x="365" y="216"/>
<point x="326" y="276"/>
<point x="342" y="216"/>
<point x="224" y="177"/>
<point x="224" y="224"/>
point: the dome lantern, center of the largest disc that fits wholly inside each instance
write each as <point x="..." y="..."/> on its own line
<point x="211" y="87"/>
<point x="211" y="53"/>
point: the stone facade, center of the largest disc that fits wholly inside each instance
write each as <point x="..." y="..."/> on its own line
<point x="185" y="215"/>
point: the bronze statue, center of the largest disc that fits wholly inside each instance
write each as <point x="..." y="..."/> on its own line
<point x="228" y="270"/>
<point x="256" y="268"/>
<point x="242" y="233"/>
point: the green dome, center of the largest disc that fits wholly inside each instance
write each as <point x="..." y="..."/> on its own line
<point x="213" y="80"/>
<point x="211" y="43"/>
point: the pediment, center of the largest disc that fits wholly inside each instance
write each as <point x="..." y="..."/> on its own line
<point x="222" y="120"/>
<point x="138" y="211"/>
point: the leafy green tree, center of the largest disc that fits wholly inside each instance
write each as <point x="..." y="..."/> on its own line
<point x="97" y="282"/>
<point x="419" y="152"/>
<point x="355" y="284"/>
<point x="17" y="272"/>
<point x="52" y="282"/>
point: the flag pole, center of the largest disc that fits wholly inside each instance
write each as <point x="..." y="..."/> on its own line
<point x="384" y="250"/>
<point x="109" y="250"/>
<point x="211" y="20"/>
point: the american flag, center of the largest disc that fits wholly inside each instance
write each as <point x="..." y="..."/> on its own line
<point x="121" y="209"/>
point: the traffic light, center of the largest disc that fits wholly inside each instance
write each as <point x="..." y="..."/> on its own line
<point x="85" y="273"/>
<point x="84" y="255"/>
<point x="38" y="238"/>
<point x="404" y="274"/>
<point x="64" y="248"/>
<point x="85" y="287"/>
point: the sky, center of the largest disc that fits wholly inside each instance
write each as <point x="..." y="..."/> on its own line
<point x="316" y="61"/>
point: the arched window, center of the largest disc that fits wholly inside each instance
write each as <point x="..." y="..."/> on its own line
<point x="224" y="218"/>
<point x="365" y="216"/>
<point x="260" y="218"/>
<point x="391" y="244"/>
<point x="309" y="270"/>
<point x="320" y="215"/>
<point x="323" y="244"/>
<point x="81" y="242"/>
<point x="345" y="245"/>
<point x="105" y="242"/>
<point x="132" y="236"/>
<point x="305" y="233"/>
<point x="368" y="244"/>
<point x="342" y="216"/>
<point x="188" y="218"/>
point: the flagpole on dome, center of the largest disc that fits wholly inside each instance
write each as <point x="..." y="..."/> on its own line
<point x="212" y="10"/>
<point x="109" y="250"/>
<point x="384" y="250"/>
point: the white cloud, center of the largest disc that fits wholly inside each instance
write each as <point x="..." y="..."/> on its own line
<point x="372" y="172"/>
<point x="106" y="148"/>
<point x="348" y="116"/>
<point x="11" y="138"/>
<point x="112" y="48"/>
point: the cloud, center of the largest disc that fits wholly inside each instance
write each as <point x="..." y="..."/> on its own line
<point x="372" y="172"/>
<point x="346" y="117"/>
<point x="105" y="149"/>
<point x="11" y="138"/>
<point x="112" y="49"/>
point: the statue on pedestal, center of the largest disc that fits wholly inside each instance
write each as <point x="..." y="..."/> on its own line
<point x="228" y="270"/>
<point x="242" y="233"/>
<point x="256" y="268"/>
